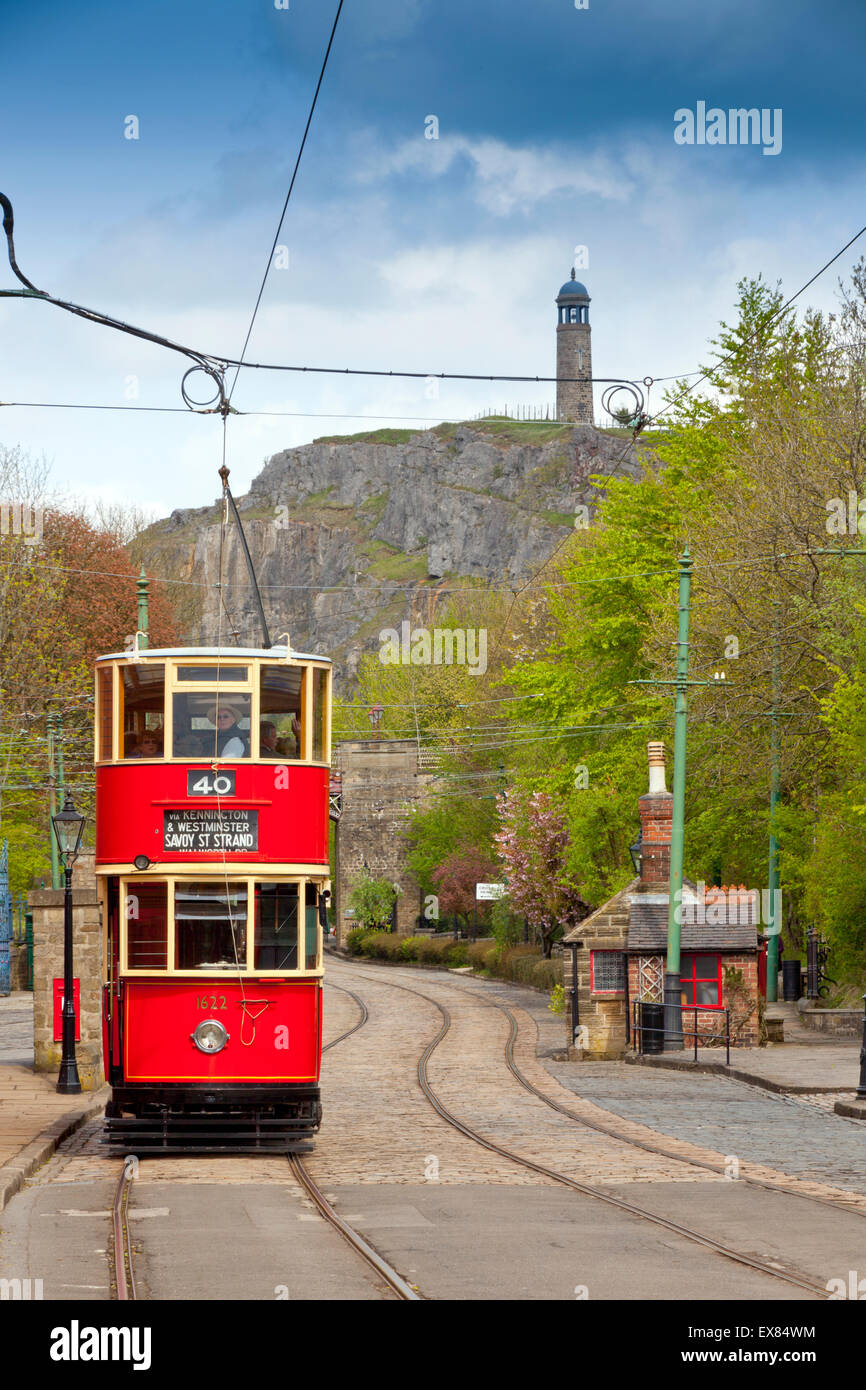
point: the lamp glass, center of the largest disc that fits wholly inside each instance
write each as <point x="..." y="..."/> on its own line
<point x="636" y="852"/>
<point x="68" y="828"/>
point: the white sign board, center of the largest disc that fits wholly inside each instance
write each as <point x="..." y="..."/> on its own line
<point x="487" y="891"/>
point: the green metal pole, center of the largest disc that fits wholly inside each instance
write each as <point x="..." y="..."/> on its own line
<point x="52" y="802"/>
<point x="772" y="927"/>
<point x="143" y="618"/>
<point x="61" y="778"/>
<point x="673" y="996"/>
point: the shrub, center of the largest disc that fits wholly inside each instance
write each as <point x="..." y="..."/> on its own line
<point x="377" y="945"/>
<point x="481" y="955"/>
<point x="355" y="939"/>
<point x="457" y="953"/>
<point x="557" y="1000"/>
<point x="431" y="951"/>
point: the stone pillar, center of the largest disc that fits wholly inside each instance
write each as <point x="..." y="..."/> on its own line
<point x="47" y="907"/>
<point x="382" y="782"/>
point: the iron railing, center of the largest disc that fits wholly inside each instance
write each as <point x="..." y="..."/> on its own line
<point x="641" y="1030"/>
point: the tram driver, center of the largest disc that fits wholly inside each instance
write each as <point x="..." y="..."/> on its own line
<point x="230" y="738"/>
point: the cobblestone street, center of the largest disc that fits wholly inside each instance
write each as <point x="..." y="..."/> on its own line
<point x="455" y="1217"/>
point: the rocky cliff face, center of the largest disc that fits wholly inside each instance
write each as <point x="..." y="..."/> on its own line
<point x="350" y="535"/>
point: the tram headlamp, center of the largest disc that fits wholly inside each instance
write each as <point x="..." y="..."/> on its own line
<point x="210" y="1036"/>
<point x="141" y="861"/>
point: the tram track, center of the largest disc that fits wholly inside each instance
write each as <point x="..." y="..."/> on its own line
<point x="772" y="1270"/>
<point x="124" y="1273"/>
<point x="612" y="1132"/>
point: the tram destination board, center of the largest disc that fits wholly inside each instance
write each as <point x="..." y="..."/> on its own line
<point x="207" y="832"/>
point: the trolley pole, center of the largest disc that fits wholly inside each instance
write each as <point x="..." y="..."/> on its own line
<point x="772" y="926"/>
<point x="673" y="1037"/>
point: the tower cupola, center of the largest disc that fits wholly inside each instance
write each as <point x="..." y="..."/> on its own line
<point x="573" y="302"/>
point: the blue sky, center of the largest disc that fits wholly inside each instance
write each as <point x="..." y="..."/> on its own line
<point x="555" y="130"/>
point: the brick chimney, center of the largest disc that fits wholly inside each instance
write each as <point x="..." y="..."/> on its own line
<point x="656" y="816"/>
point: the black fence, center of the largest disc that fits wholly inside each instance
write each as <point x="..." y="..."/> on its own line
<point x="648" y="1029"/>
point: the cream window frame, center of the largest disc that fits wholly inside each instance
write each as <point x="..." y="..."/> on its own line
<point x="251" y="686"/>
<point x="175" y="686"/>
<point x="248" y="970"/>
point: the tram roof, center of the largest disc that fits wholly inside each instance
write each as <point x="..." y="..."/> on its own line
<point x="224" y="653"/>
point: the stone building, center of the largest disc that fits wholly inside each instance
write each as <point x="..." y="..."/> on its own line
<point x="383" y="782"/>
<point x="573" y="354"/>
<point x="622" y="947"/>
<point x="46" y="905"/>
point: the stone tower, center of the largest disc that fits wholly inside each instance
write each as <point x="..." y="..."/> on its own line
<point x="573" y="353"/>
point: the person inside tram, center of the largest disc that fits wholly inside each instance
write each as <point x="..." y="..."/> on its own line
<point x="231" y="742"/>
<point x="149" y="746"/>
<point x="270" y="745"/>
<point x="274" y="745"/>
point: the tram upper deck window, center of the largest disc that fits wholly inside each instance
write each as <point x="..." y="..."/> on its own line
<point x="142" y="700"/>
<point x="147" y="926"/>
<point x="281" y="732"/>
<point x="105" y="715"/>
<point x="210" y="922"/>
<point x="212" y="673"/>
<point x="212" y="724"/>
<point x="320" y="714"/>
<point x="276" y="937"/>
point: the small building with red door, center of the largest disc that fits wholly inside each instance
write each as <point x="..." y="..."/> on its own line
<point x="620" y="950"/>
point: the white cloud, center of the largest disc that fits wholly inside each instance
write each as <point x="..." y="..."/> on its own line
<point x="506" y="178"/>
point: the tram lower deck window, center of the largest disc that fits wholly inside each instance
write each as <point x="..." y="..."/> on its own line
<point x="147" y="927"/>
<point x="276" y="938"/>
<point x="210" y="922"/>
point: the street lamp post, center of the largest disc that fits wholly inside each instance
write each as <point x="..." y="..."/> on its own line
<point x="68" y="825"/>
<point x="861" y="1089"/>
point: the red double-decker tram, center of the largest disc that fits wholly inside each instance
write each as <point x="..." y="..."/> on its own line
<point x="212" y="780"/>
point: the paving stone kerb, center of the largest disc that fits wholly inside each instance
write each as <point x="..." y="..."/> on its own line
<point x="47" y="908"/>
<point x="34" y="1120"/>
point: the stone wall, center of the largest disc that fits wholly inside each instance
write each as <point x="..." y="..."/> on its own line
<point x="602" y="1015"/>
<point x="382" y="782"/>
<point x="843" y="1023"/>
<point x="47" y="907"/>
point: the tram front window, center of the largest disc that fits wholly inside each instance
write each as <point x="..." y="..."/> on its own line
<point x="142" y="696"/>
<point x="212" y="725"/>
<point x="280" y="729"/>
<point x="276" y="938"/>
<point x="210" y="926"/>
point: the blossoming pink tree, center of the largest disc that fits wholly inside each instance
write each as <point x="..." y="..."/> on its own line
<point x="532" y="842"/>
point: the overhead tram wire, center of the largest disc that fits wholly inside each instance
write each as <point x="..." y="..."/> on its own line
<point x="288" y="195"/>
<point x="764" y="326"/>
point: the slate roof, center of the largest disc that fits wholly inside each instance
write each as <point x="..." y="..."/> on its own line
<point x="648" y="923"/>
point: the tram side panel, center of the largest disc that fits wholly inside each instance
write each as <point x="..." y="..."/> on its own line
<point x="274" y="815"/>
<point x="272" y="1025"/>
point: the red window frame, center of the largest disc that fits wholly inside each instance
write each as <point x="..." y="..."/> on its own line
<point x="607" y="952"/>
<point x="689" y="977"/>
